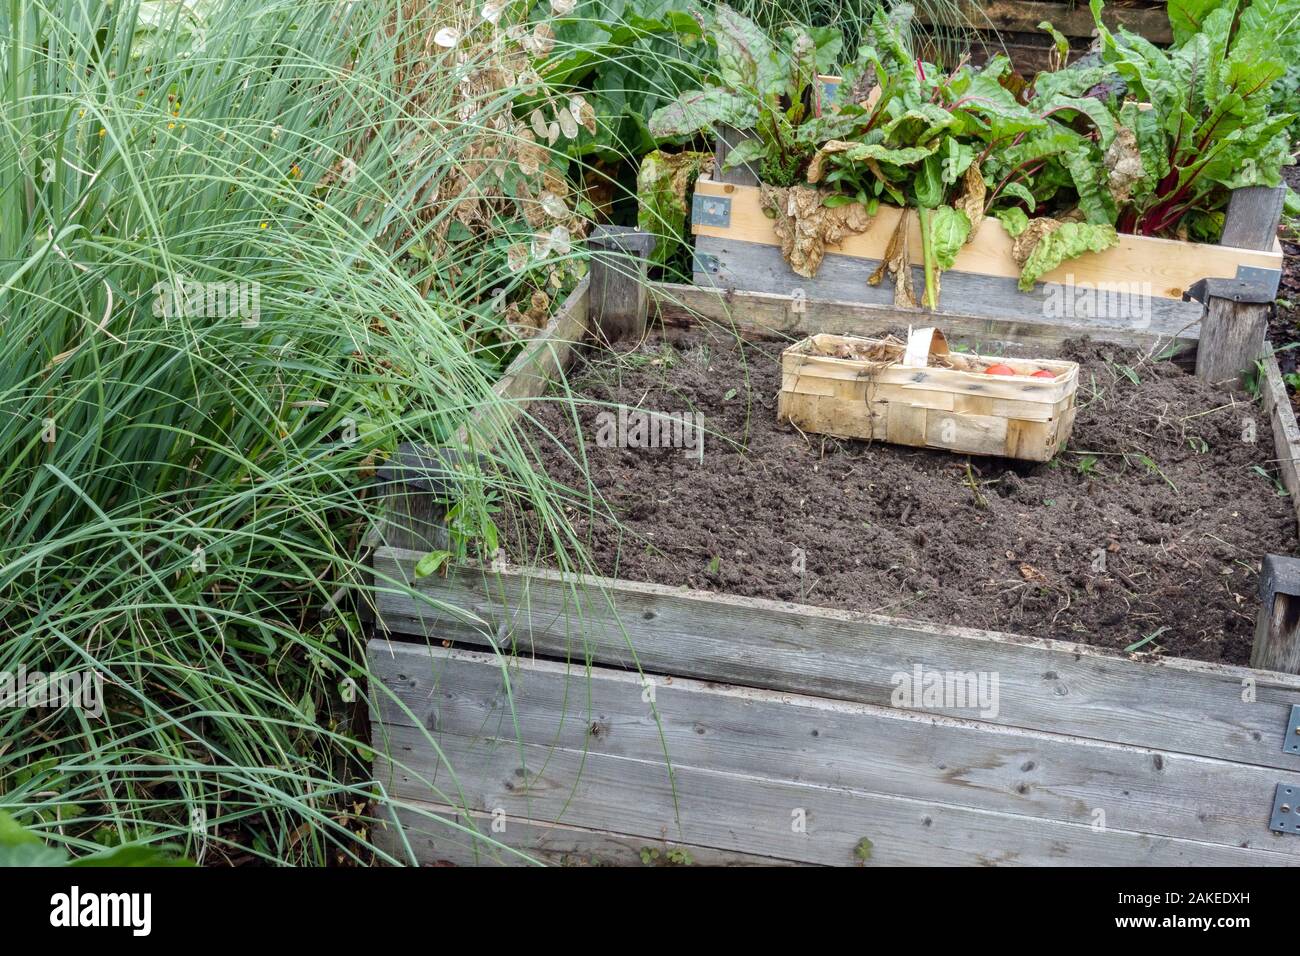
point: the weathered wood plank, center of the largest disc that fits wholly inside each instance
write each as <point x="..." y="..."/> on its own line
<point x="617" y="298"/>
<point x="755" y="267"/>
<point x="428" y="828"/>
<point x="1232" y="339"/>
<point x="1233" y="331"/>
<point x="414" y="515"/>
<point x="1055" y="686"/>
<point x="886" y="750"/>
<point x="1073" y="20"/>
<point x="763" y="314"/>
<point x="1277" y="628"/>
<point x="1286" y="433"/>
<point x="728" y="138"/>
<point x="742" y="813"/>
<point x="1252" y="217"/>
<point x="1159" y="268"/>
<point x="531" y="372"/>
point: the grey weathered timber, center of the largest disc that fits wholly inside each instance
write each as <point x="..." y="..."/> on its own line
<point x="787" y="820"/>
<point x="728" y="138"/>
<point x="1286" y="434"/>
<point x="619" y="273"/>
<point x="1252" y="217"/>
<point x="1233" y="332"/>
<point x="1174" y="705"/>
<point x="1277" y="628"/>
<point x="1024" y="16"/>
<point x="813" y="740"/>
<point x="767" y="314"/>
<point x="1232" y="339"/>
<point x="533" y="370"/>
<point x="435" y="834"/>
<point x="415" y="482"/>
<point x="757" y="267"/>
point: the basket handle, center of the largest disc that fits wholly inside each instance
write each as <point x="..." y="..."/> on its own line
<point x="921" y="344"/>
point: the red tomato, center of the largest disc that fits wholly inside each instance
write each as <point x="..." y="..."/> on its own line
<point x="999" y="370"/>
<point x="1043" y="373"/>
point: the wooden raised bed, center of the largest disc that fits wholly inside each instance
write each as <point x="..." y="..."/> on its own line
<point x="1143" y="279"/>
<point x="526" y="714"/>
<point x="1011" y="26"/>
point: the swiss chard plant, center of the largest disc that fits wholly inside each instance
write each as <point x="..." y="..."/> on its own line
<point x="1130" y="139"/>
<point x="763" y="85"/>
<point x="955" y="145"/>
<point x="1200" y="121"/>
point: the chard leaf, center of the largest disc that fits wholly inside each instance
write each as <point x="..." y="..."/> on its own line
<point x="1070" y="240"/>
<point x="1014" y="220"/>
<point x="1072" y="81"/>
<point x="744" y="152"/>
<point x="1098" y="115"/>
<point x="1089" y="173"/>
<point x="900" y="156"/>
<point x="1021" y="191"/>
<point x="892" y="35"/>
<point x="829" y="44"/>
<point x="919" y="126"/>
<point x="1059" y="41"/>
<point x="746" y="58"/>
<point x="928" y="187"/>
<point x="949" y="229"/>
<point x="699" y="110"/>
<point x="662" y="184"/>
<point x="1185" y="17"/>
<point x="956" y="159"/>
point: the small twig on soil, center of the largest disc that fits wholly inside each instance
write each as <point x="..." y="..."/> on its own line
<point x="980" y="500"/>
<point x="1128" y="581"/>
<point x="1210" y="411"/>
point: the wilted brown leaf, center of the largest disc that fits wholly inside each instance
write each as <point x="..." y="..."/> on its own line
<point x="817" y="166"/>
<point x="1023" y="245"/>
<point x="1124" y="160"/>
<point x="896" y="261"/>
<point x="971" y="201"/>
<point x="806" y="226"/>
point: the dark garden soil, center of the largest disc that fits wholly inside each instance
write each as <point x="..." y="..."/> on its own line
<point x="1151" y="525"/>
<point x="1284" y="329"/>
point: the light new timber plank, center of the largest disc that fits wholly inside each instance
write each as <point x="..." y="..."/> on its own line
<point x="747" y="814"/>
<point x="766" y="314"/>
<point x="553" y="844"/>
<point x="783" y="736"/>
<point x="1175" y="705"/>
<point x="1286" y="434"/>
<point x="1168" y="266"/>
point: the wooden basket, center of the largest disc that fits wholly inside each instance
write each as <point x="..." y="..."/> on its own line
<point x="918" y="393"/>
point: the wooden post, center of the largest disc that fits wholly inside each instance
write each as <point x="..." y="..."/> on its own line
<point x="619" y="290"/>
<point x="1233" y="329"/>
<point x="417" y="484"/>
<point x="728" y="139"/>
<point x="1277" y="628"/>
